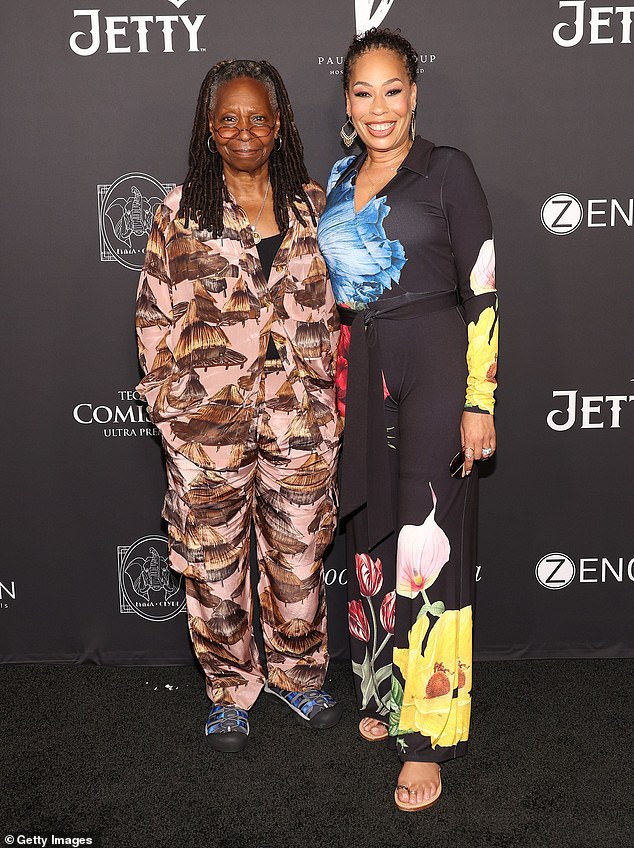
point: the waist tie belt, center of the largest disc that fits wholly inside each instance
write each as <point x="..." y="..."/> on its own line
<point x="365" y="474"/>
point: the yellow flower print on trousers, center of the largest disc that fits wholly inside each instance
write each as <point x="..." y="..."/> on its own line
<point x="429" y="706"/>
<point x="482" y="357"/>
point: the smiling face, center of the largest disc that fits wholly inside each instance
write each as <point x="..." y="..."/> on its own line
<point x="243" y="103"/>
<point x="380" y="100"/>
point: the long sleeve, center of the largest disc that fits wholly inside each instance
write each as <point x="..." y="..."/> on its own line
<point x="471" y="235"/>
<point x="154" y="314"/>
<point x="317" y="197"/>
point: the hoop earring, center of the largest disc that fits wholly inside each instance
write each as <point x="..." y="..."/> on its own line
<point x="277" y="147"/>
<point x="412" y="126"/>
<point x="348" y="137"/>
<point x="213" y="150"/>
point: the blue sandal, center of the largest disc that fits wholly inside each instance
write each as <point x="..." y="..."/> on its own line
<point x="227" y="728"/>
<point x="314" y="707"/>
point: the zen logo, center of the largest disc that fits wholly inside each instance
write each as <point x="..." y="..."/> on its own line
<point x="365" y="18"/>
<point x="555" y="571"/>
<point x="562" y="214"/>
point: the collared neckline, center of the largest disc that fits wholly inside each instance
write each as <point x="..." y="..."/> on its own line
<point x="417" y="160"/>
<point x="418" y="157"/>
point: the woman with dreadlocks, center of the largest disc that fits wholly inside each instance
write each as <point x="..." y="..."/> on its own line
<point x="237" y="330"/>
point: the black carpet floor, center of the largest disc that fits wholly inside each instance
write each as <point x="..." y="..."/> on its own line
<point x="119" y="753"/>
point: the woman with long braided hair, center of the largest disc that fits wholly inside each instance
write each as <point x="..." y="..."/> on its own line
<point x="237" y="330"/>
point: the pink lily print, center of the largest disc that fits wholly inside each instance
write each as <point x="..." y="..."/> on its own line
<point x="423" y="550"/>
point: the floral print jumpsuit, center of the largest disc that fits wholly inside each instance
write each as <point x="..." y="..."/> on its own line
<point x="249" y="438"/>
<point x="426" y="242"/>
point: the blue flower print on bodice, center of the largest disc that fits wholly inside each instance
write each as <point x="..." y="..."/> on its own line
<point x="361" y="260"/>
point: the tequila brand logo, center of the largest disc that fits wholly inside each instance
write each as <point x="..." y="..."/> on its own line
<point x="126" y="208"/>
<point x="367" y="16"/>
<point x="127" y="416"/>
<point x="589" y="412"/>
<point x="593" y="24"/>
<point x="147" y="586"/>
<point x="563" y="213"/>
<point x="556" y="570"/>
<point x="135" y="33"/>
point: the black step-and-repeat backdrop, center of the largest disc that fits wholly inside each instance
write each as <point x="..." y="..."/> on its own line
<point x="97" y="106"/>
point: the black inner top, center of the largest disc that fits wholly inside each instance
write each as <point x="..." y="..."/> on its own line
<point x="267" y="249"/>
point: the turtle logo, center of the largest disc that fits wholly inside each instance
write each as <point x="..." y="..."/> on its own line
<point x="126" y="208"/>
<point x="147" y="586"/>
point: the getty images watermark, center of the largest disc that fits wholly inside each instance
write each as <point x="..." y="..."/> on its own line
<point x="44" y="840"/>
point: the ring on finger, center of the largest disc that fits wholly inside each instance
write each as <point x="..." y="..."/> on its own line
<point x="487" y="451"/>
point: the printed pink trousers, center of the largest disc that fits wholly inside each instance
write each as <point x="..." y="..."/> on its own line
<point x="280" y="480"/>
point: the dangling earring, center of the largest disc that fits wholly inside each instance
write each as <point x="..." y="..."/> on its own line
<point x="213" y="150"/>
<point x="412" y="126"/>
<point x="348" y="137"/>
<point x="277" y="146"/>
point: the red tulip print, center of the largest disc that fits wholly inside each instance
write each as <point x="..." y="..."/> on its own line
<point x="388" y="610"/>
<point x="357" y="621"/>
<point x="369" y="574"/>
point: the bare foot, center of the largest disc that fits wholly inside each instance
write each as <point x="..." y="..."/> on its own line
<point x="423" y="780"/>
<point x="373" y="727"/>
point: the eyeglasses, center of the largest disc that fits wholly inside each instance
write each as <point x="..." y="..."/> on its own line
<point x="258" y="131"/>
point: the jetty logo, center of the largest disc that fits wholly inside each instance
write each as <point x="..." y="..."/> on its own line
<point x="126" y="208"/>
<point x="594" y="24"/>
<point x="135" y="33"/>
<point x="590" y="412"/>
<point x="147" y="585"/>
<point x="366" y="16"/>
